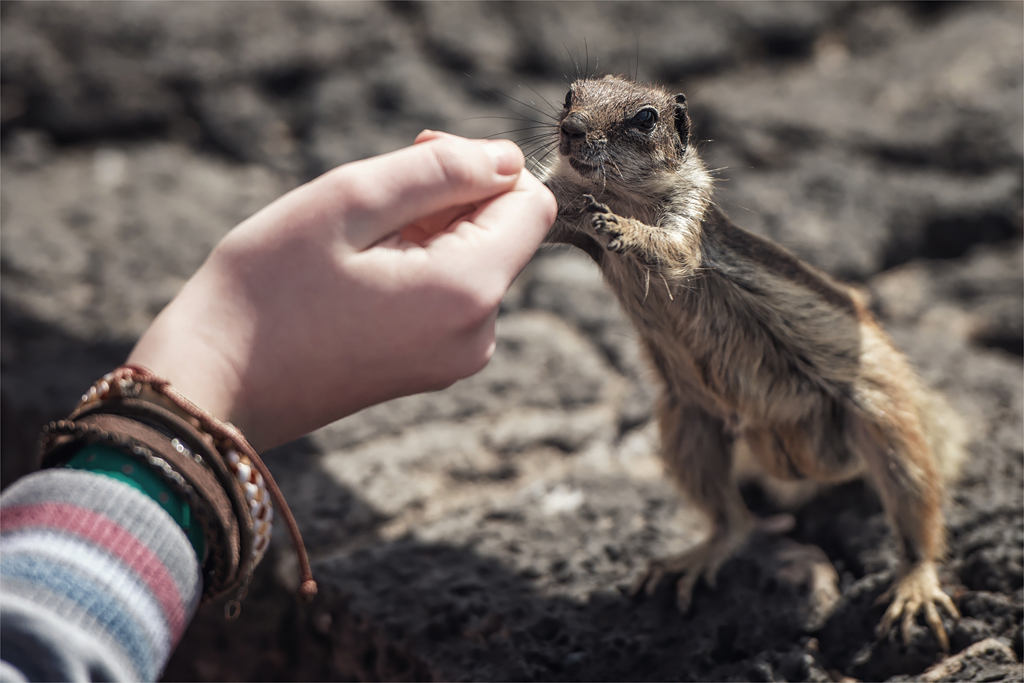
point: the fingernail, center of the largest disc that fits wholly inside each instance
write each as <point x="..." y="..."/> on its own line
<point x="508" y="159"/>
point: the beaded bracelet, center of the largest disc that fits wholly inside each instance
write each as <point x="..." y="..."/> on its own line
<point x="261" y="509"/>
<point x="129" y="429"/>
<point x="253" y="486"/>
<point x="134" y="383"/>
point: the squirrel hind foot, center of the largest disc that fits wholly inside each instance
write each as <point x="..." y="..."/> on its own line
<point x="917" y="590"/>
<point x="703" y="560"/>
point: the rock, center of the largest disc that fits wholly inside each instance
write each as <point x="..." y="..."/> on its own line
<point x="242" y="121"/>
<point x="469" y="38"/>
<point x="491" y="531"/>
<point x="95" y="242"/>
<point x="837" y="156"/>
<point x="988" y="660"/>
<point x="808" y="569"/>
<point x="981" y="296"/>
<point x="569" y="285"/>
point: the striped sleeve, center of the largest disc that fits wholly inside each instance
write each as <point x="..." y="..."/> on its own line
<point x="97" y="582"/>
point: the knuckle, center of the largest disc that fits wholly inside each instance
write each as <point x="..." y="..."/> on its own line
<point x="465" y="310"/>
<point x="479" y="353"/>
<point x="471" y="353"/>
<point x="489" y="299"/>
<point x="453" y="162"/>
<point x="541" y="197"/>
<point x="354" y="191"/>
<point x="548" y="205"/>
<point x="478" y="307"/>
<point x="477" y="300"/>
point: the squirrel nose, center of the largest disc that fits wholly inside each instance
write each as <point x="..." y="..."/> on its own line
<point x="574" y="126"/>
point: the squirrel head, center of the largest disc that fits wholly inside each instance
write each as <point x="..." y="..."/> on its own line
<point x="618" y="132"/>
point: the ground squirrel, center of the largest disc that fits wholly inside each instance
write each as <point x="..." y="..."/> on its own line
<point x="754" y="348"/>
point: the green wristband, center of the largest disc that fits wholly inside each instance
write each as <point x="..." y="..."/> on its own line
<point x="116" y="465"/>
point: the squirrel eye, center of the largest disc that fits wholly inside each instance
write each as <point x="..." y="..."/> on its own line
<point x="645" y="118"/>
<point x="568" y="99"/>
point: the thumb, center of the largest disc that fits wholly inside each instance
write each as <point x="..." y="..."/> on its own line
<point x="381" y="195"/>
<point x="496" y="240"/>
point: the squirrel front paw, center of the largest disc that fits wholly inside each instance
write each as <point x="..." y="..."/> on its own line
<point x="604" y="222"/>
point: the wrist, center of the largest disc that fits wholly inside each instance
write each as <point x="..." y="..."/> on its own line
<point x="208" y="462"/>
<point x="194" y="343"/>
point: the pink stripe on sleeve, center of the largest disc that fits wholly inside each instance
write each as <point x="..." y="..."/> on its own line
<point x="104" y="532"/>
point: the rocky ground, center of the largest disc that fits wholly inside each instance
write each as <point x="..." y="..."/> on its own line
<point x="491" y="531"/>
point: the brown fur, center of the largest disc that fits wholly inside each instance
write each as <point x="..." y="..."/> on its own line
<point x="754" y="347"/>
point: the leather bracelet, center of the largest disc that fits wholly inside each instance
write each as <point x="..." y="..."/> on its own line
<point x="133" y="410"/>
<point x="217" y="513"/>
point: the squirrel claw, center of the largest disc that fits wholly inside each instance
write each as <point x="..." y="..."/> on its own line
<point x="594" y="206"/>
<point x="701" y="561"/>
<point x="604" y="222"/>
<point x="917" y="591"/>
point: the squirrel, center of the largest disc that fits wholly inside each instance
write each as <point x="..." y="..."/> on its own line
<point x="755" y="349"/>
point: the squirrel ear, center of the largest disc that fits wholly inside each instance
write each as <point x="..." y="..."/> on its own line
<point x="682" y="120"/>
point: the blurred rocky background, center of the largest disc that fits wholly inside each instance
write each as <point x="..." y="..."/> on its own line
<point x="490" y="531"/>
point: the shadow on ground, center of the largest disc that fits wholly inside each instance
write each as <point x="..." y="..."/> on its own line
<point x="411" y="610"/>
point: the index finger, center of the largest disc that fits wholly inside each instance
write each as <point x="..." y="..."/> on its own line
<point x="380" y="195"/>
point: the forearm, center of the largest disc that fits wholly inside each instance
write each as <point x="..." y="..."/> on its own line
<point x="99" y="582"/>
<point x="379" y="279"/>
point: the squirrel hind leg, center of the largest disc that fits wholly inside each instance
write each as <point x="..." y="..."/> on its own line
<point x="697" y="452"/>
<point x="702" y="561"/>
<point x="902" y="468"/>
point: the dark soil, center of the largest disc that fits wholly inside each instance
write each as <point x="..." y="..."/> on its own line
<point x="491" y="531"/>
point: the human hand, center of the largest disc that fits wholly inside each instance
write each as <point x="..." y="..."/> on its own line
<point x="379" y="279"/>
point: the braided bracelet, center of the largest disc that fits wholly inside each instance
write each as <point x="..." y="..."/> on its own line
<point x="138" y="430"/>
<point x="261" y="508"/>
<point x="128" y="389"/>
